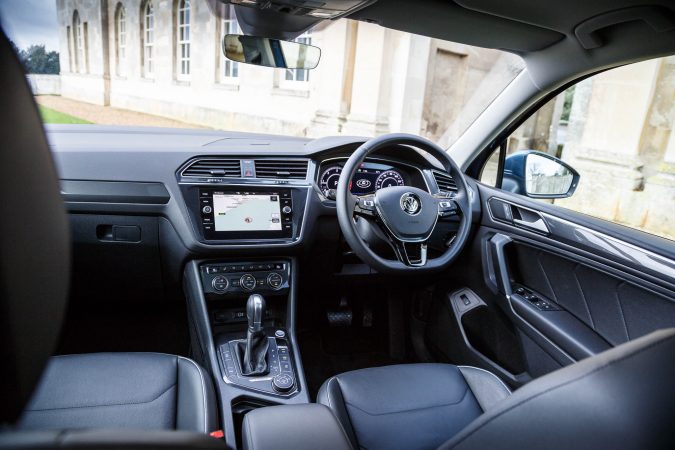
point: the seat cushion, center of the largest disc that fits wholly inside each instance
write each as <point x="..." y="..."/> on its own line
<point x="412" y="406"/>
<point x="122" y="390"/>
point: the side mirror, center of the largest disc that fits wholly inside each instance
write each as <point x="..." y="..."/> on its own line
<point x="267" y="52"/>
<point x="538" y="175"/>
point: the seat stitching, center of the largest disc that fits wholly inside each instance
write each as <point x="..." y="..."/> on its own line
<point x="412" y="409"/>
<point x="201" y="377"/>
<point x="106" y="404"/>
<point x="495" y="376"/>
<point x="552" y="388"/>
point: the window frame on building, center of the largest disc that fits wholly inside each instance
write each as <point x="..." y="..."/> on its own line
<point x="183" y="30"/>
<point x="148" y="39"/>
<point x="79" y="43"/>
<point x="228" y="71"/>
<point x="121" y="36"/>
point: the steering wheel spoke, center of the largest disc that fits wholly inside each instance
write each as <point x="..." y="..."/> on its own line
<point x="412" y="254"/>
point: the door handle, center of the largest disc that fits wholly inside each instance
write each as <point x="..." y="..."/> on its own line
<point x="529" y="219"/>
<point x="538" y="225"/>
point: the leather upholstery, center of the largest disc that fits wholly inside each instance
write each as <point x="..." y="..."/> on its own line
<point x="34" y="235"/>
<point x="298" y="427"/>
<point x="409" y="406"/>
<point x="622" y="398"/>
<point x="149" y="391"/>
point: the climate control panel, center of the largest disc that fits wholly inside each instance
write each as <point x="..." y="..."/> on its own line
<point x="237" y="278"/>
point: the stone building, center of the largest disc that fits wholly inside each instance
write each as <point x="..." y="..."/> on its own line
<point x="163" y="57"/>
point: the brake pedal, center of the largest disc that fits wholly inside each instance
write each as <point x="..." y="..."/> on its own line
<point x="342" y="316"/>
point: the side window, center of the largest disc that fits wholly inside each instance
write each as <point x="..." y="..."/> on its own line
<point x="616" y="130"/>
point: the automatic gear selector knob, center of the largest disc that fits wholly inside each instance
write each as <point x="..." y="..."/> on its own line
<point x="255" y="310"/>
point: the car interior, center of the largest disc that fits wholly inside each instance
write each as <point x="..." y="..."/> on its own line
<point x="393" y="301"/>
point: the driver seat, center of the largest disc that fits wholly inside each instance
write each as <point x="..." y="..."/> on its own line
<point x="622" y="398"/>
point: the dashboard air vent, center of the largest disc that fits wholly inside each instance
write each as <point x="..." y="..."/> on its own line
<point x="281" y="168"/>
<point x="445" y="182"/>
<point x="213" y="167"/>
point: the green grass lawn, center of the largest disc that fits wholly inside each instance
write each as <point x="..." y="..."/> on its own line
<point x="52" y="116"/>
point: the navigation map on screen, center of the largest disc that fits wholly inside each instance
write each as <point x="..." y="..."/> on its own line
<point x="246" y="212"/>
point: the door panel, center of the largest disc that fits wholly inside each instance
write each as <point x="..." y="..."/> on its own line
<point x="571" y="285"/>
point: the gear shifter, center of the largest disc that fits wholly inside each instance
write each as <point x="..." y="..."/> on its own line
<point x="253" y="353"/>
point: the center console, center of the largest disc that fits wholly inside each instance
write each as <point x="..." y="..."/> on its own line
<point x="242" y="316"/>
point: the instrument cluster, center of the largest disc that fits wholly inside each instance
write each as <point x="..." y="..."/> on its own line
<point x="369" y="178"/>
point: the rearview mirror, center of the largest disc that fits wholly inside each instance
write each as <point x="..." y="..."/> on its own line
<point x="539" y="175"/>
<point x="268" y="52"/>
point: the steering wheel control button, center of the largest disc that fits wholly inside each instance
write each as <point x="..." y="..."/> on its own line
<point x="280" y="334"/>
<point x="274" y="280"/>
<point x="248" y="282"/>
<point x="220" y="283"/>
<point x="283" y="382"/>
<point x="207" y="209"/>
<point x="447" y="208"/>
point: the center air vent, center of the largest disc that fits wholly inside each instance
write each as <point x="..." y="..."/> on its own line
<point x="213" y="167"/>
<point x="445" y="182"/>
<point x="295" y="169"/>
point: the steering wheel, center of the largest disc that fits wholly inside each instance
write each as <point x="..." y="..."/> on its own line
<point x="406" y="215"/>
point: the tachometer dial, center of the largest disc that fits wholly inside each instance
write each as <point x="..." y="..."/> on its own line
<point x="388" y="179"/>
<point x="328" y="181"/>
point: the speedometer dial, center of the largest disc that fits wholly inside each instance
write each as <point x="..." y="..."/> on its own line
<point x="388" y="179"/>
<point x="329" y="180"/>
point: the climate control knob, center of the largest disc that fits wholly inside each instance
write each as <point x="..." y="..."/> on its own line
<point x="247" y="281"/>
<point x="220" y="283"/>
<point x="274" y="280"/>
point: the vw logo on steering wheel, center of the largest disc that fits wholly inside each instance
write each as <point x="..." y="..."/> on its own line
<point x="411" y="203"/>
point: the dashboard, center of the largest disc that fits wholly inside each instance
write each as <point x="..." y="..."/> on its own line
<point x="208" y="191"/>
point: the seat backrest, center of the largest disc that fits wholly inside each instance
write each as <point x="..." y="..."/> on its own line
<point x="623" y="398"/>
<point x="34" y="242"/>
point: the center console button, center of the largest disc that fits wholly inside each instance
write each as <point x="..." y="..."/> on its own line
<point x="280" y="334"/>
<point x="247" y="282"/>
<point x="286" y="210"/>
<point x="207" y="209"/>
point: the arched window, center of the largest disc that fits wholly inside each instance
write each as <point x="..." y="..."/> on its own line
<point x="183" y="44"/>
<point x="121" y="34"/>
<point x="148" y="37"/>
<point x="80" y="55"/>
<point x="229" y="69"/>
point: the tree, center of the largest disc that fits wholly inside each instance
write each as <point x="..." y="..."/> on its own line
<point x="36" y="59"/>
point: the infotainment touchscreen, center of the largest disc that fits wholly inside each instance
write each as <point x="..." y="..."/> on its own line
<point x="246" y="212"/>
<point x="256" y="213"/>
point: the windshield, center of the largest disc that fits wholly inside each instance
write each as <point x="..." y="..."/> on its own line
<point x="139" y="63"/>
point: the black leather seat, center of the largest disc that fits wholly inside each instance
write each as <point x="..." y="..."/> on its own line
<point x="411" y="405"/>
<point x="148" y="391"/>
<point x="622" y="398"/>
